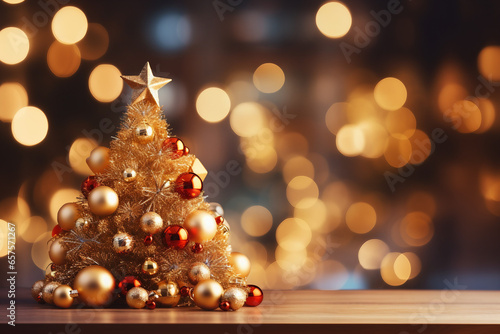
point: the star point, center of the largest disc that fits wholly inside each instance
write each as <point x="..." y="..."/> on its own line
<point x="145" y="85"/>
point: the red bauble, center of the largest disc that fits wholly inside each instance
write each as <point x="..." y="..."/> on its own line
<point x="148" y="240"/>
<point x="219" y="220"/>
<point x="151" y="305"/>
<point x="255" y="296"/>
<point x="186" y="150"/>
<point x="174" y="146"/>
<point x="52" y="267"/>
<point x="189" y="185"/>
<point x="88" y="185"/>
<point x="225" y="306"/>
<point x="197" y="248"/>
<point x="56" y="230"/>
<point x="185" y="291"/>
<point x="128" y="283"/>
<point x="176" y="237"/>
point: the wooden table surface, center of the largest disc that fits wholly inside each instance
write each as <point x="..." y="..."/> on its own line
<point x="411" y="311"/>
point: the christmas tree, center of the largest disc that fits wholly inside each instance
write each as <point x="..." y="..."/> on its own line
<point x="142" y="230"/>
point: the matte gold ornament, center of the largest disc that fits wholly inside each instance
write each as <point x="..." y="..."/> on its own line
<point x="236" y="297"/>
<point x="62" y="296"/>
<point x="151" y="222"/>
<point x="240" y="263"/>
<point x="145" y="85"/>
<point x="81" y="224"/>
<point x="36" y="289"/>
<point x="67" y="216"/>
<point x="207" y="294"/>
<point x="103" y="201"/>
<point x="95" y="285"/>
<point x="122" y="242"/>
<point x="129" y="175"/>
<point x="201" y="226"/>
<point x="199" y="169"/>
<point x="150" y="267"/>
<point x="57" y="252"/>
<point x="144" y="133"/>
<point x="168" y="294"/>
<point x="137" y="297"/>
<point x="198" y="272"/>
<point x="98" y="160"/>
<point x="48" y="292"/>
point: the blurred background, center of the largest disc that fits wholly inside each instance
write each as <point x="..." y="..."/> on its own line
<point x="352" y="144"/>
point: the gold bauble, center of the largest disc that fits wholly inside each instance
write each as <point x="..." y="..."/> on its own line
<point x="201" y="226"/>
<point x="81" y="223"/>
<point x="236" y="297"/>
<point x="122" y="242"/>
<point x="168" y="294"/>
<point x="207" y="294"/>
<point x="98" y="159"/>
<point x="57" y="252"/>
<point x="95" y="285"/>
<point x="137" y="297"/>
<point x="216" y="209"/>
<point x="67" y="216"/>
<point x="151" y="222"/>
<point x="36" y="289"/>
<point x="150" y="267"/>
<point x="198" y="272"/>
<point x="129" y="175"/>
<point x="62" y="296"/>
<point x="144" y="133"/>
<point x="240" y="264"/>
<point x="103" y="201"/>
<point x="48" y="292"/>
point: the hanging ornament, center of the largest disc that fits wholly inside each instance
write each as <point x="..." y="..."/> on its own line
<point x="188" y="185"/>
<point x="168" y="294"/>
<point x="88" y="185"/>
<point x="95" y="285"/>
<point x="128" y="283"/>
<point x="137" y="297"/>
<point x="174" y="146"/>
<point x="103" y="201"/>
<point x="144" y="133"/>
<point x="151" y="222"/>
<point x="81" y="224"/>
<point x="201" y="226"/>
<point x="36" y="291"/>
<point x="198" y="272"/>
<point x="56" y="230"/>
<point x="197" y="248"/>
<point x="98" y="160"/>
<point x="48" y="292"/>
<point x="129" y="175"/>
<point x="219" y="220"/>
<point x="122" y="242"/>
<point x="235" y="297"/>
<point x="150" y="267"/>
<point x="176" y="237"/>
<point x="57" y="252"/>
<point x="255" y="296"/>
<point x="148" y="240"/>
<point x="198" y="169"/>
<point x="207" y="294"/>
<point x="216" y="209"/>
<point x="240" y="264"/>
<point x="186" y="150"/>
<point x="225" y="306"/>
<point x="67" y="216"/>
<point x="62" y="296"/>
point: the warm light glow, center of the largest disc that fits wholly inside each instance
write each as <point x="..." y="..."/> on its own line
<point x="333" y="19"/>
<point x="247" y="119"/>
<point x="69" y="25"/>
<point x="390" y="93"/>
<point x="256" y="221"/>
<point x="63" y="60"/>
<point x="315" y="216"/>
<point x="256" y="252"/>
<point x="389" y="269"/>
<point x="29" y="126"/>
<point x="350" y="140"/>
<point x="416" y="229"/>
<point x="297" y="166"/>
<point x="361" y="217"/>
<point x="302" y="192"/>
<point x="375" y="137"/>
<point x="293" y="234"/>
<point x="13" y="2"/>
<point x="465" y="115"/>
<point x="488" y="115"/>
<point x="14" y="45"/>
<point x="449" y="94"/>
<point x="290" y="260"/>
<point x="291" y="144"/>
<point x="242" y="91"/>
<point x="4" y="230"/>
<point x="32" y="228"/>
<point x="39" y="253"/>
<point x="213" y="104"/>
<point x="95" y="43"/>
<point x="371" y="254"/>
<point x="415" y="263"/>
<point x="264" y="161"/>
<point x="398" y="152"/>
<point x="402" y="267"/>
<point x="61" y="197"/>
<point x="79" y="152"/>
<point x="105" y="83"/>
<point x="421" y="147"/>
<point x="268" y="78"/>
<point x="337" y="116"/>
<point x="487" y="62"/>
<point x="13" y="97"/>
<point x="401" y="123"/>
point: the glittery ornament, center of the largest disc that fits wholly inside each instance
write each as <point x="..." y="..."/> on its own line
<point x="122" y="242"/>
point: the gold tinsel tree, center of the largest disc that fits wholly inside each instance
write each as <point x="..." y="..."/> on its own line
<point x="142" y="229"/>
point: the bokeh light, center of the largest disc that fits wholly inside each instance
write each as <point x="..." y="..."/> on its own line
<point x="264" y="161"/>
<point x="95" y="43"/>
<point x="39" y="253"/>
<point x="4" y="230"/>
<point x="361" y="217"/>
<point x="256" y="221"/>
<point x="290" y="259"/>
<point x="371" y="254"/>
<point x="333" y="19"/>
<point x="394" y="267"/>
<point x="302" y="192"/>
<point x="172" y="31"/>
<point x="247" y="119"/>
<point x="297" y="166"/>
<point x="78" y="153"/>
<point x="390" y="93"/>
<point x="398" y="152"/>
<point x="337" y="116"/>
<point x="401" y="123"/>
<point x="29" y="126"/>
<point x="13" y="2"/>
<point x="465" y="115"/>
<point x="61" y="197"/>
<point x="63" y="60"/>
<point x="315" y="216"/>
<point x="268" y="78"/>
<point x="293" y="234"/>
<point x="416" y="228"/>
<point x="415" y="263"/>
<point x="32" y="228"/>
<point x="213" y="104"/>
<point x="105" y="83"/>
<point x="375" y="138"/>
<point x="14" y="45"/>
<point x="487" y="62"/>
<point x="421" y="147"/>
<point x="350" y="140"/>
<point x="488" y="114"/>
<point x="69" y="25"/>
<point x="13" y="97"/>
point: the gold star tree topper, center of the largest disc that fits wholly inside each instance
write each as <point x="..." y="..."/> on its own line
<point x="145" y="85"/>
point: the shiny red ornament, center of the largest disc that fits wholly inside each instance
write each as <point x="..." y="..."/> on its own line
<point x="185" y="291"/>
<point x="88" y="185"/>
<point x="148" y="240"/>
<point x="219" y="220"/>
<point x="52" y="267"/>
<point x="151" y="305"/>
<point x="128" y="283"/>
<point x="56" y="230"/>
<point x="186" y="150"/>
<point x="255" y="296"/>
<point x="189" y="185"/>
<point x="197" y="248"/>
<point x="175" y="237"/>
<point x="39" y="299"/>
<point x="174" y="146"/>
<point x="225" y="306"/>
